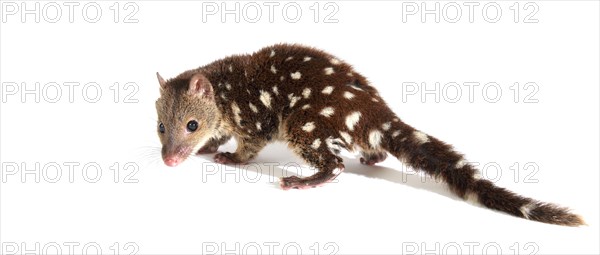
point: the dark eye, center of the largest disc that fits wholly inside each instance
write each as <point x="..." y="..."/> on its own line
<point x="161" y="128"/>
<point x="192" y="125"/>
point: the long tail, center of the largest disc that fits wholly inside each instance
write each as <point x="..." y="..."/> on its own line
<point x="439" y="160"/>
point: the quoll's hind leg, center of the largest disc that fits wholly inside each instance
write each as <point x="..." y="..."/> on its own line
<point x="248" y="148"/>
<point x="372" y="157"/>
<point x="213" y="145"/>
<point x="316" y="153"/>
<point x="329" y="166"/>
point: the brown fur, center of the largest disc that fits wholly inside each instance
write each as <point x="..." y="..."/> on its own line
<point x="318" y="105"/>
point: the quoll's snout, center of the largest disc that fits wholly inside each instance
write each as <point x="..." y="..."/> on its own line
<point x="172" y="161"/>
<point x="174" y="157"/>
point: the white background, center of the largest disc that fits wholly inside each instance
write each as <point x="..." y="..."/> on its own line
<point x="200" y="206"/>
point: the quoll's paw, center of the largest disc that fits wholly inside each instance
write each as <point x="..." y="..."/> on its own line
<point x="317" y="180"/>
<point x="293" y="182"/>
<point x="227" y="158"/>
<point x="207" y="150"/>
<point x="372" y="159"/>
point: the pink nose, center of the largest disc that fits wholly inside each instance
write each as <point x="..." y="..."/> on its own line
<point x="172" y="161"/>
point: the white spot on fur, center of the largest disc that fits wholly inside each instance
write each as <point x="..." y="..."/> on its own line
<point x="235" y="108"/>
<point x="348" y="95"/>
<point x="420" y="137"/>
<point x="526" y="209"/>
<point x="236" y="113"/>
<point x="306" y="92"/>
<point x="273" y="69"/>
<point x="307" y="58"/>
<point x="357" y="88"/>
<point x="395" y="120"/>
<point x="223" y="96"/>
<point x="335" y="61"/>
<point x="350" y="74"/>
<point x="253" y="107"/>
<point x="375" y="138"/>
<point x="281" y="78"/>
<point x="336" y="171"/>
<point x="374" y="100"/>
<point x="472" y="198"/>
<point x="316" y="143"/>
<point x="306" y="106"/>
<point x="396" y="133"/>
<point x="334" y="145"/>
<point x="327" y="90"/>
<point x="228" y="86"/>
<point x="460" y="164"/>
<point x="230" y="68"/>
<point x="386" y="126"/>
<point x="265" y="98"/>
<point x="308" y="127"/>
<point x="352" y="119"/>
<point x="272" y="54"/>
<point x="296" y="75"/>
<point x="477" y="176"/>
<point x="327" y="111"/>
<point x="258" y="126"/>
<point x="346" y="137"/>
<point x="275" y="90"/>
<point x="293" y="99"/>
<point x="289" y="58"/>
<point x="328" y="70"/>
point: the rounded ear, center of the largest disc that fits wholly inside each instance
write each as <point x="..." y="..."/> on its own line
<point x="200" y="86"/>
<point x="161" y="81"/>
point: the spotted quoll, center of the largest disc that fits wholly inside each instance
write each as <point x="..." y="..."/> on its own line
<point x="318" y="105"/>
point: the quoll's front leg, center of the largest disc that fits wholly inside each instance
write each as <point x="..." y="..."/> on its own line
<point x="247" y="149"/>
<point x="213" y="145"/>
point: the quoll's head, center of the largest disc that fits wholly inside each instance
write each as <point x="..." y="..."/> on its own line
<point x="187" y="116"/>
